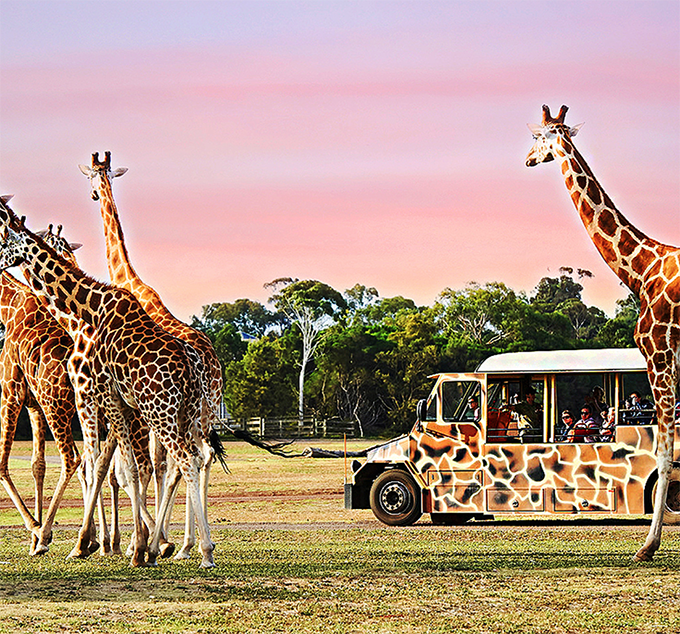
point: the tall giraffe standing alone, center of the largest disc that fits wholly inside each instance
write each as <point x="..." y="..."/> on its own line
<point x="136" y="366"/>
<point x="33" y="373"/>
<point x="124" y="275"/>
<point x="650" y="269"/>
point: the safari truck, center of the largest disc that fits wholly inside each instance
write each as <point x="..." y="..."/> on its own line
<point x="493" y="443"/>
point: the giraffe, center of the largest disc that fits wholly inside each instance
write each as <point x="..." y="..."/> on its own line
<point x="123" y="274"/>
<point x="84" y="335"/>
<point x="33" y="373"/>
<point x="650" y="269"/>
<point x="135" y="365"/>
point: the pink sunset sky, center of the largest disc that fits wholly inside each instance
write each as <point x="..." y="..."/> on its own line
<point x="380" y="143"/>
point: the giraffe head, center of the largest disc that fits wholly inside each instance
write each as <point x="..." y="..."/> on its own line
<point x="12" y="245"/>
<point x="100" y="171"/>
<point x="546" y="134"/>
<point x="55" y="240"/>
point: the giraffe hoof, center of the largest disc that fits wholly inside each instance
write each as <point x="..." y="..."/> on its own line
<point x="166" y="550"/>
<point x="40" y="549"/>
<point x="93" y="547"/>
<point x="183" y="554"/>
<point x="642" y="555"/>
<point x="78" y="553"/>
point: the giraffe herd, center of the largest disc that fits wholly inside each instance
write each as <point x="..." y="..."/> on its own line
<point x="129" y="372"/>
<point x="147" y="385"/>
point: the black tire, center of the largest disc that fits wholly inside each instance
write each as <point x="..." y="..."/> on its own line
<point x="671" y="512"/>
<point x="450" y="519"/>
<point x="395" y="498"/>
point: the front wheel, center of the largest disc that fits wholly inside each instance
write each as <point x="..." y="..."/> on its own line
<point x="671" y="511"/>
<point x="395" y="498"/>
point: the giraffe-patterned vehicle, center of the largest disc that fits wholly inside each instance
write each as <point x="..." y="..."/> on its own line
<point x="493" y="442"/>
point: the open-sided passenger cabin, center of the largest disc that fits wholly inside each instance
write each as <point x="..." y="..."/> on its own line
<point x="562" y="381"/>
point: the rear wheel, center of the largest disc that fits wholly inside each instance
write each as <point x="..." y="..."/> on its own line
<point x="671" y="512"/>
<point x="395" y="498"/>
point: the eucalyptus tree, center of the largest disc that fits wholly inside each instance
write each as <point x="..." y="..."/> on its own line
<point x="311" y="306"/>
<point x="249" y="317"/>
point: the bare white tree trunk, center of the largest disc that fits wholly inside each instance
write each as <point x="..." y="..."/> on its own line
<point x="310" y="327"/>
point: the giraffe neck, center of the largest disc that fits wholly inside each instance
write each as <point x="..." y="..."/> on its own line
<point x="10" y="288"/>
<point x="627" y="251"/>
<point x="69" y="322"/>
<point x="69" y="289"/>
<point x="121" y="271"/>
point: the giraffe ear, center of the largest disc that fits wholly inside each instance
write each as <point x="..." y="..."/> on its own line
<point x="536" y="128"/>
<point x="119" y="171"/>
<point x="85" y="170"/>
<point x="574" y="131"/>
<point x="74" y="246"/>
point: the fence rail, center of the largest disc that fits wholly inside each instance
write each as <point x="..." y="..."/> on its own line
<point x="293" y="428"/>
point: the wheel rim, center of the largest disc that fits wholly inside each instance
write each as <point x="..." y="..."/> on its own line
<point x="394" y="498"/>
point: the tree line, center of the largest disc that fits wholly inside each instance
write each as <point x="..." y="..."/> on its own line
<point x="357" y="356"/>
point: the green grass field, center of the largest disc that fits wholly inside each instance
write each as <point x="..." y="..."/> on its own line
<point x="291" y="559"/>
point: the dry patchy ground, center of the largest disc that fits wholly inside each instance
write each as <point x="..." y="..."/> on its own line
<point x="291" y="559"/>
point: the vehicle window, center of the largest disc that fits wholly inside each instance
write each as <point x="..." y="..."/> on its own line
<point x="582" y="404"/>
<point x="515" y="410"/>
<point x="460" y="401"/>
<point x="636" y="401"/>
<point x="431" y="409"/>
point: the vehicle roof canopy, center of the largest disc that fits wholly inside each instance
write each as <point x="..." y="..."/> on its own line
<point x="603" y="360"/>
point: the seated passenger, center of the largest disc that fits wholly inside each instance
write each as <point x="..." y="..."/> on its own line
<point x="608" y="428"/>
<point x="568" y="422"/>
<point x="639" y="411"/>
<point x="473" y="409"/>
<point x="596" y="403"/>
<point x="529" y="418"/>
<point x="585" y="429"/>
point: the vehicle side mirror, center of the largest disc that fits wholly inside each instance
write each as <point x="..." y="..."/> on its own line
<point x="421" y="410"/>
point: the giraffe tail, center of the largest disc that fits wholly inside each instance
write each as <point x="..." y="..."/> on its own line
<point x="216" y="443"/>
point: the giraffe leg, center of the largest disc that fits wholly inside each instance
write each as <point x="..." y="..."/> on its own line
<point x="164" y="510"/>
<point x="82" y="547"/>
<point x="10" y="406"/>
<point x="70" y="461"/>
<point x="663" y="388"/>
<point x="142" y="447"/>
<point x="189" y="530"/>
<point x="38" y="467"/>
<point x="190" y="463"/>
<point x="190" y="520"/>
<point x="160" y="466"/>
<point x="92" y="425"/>
<point x="114" y="486"/>
<point x="191" y="478"/>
